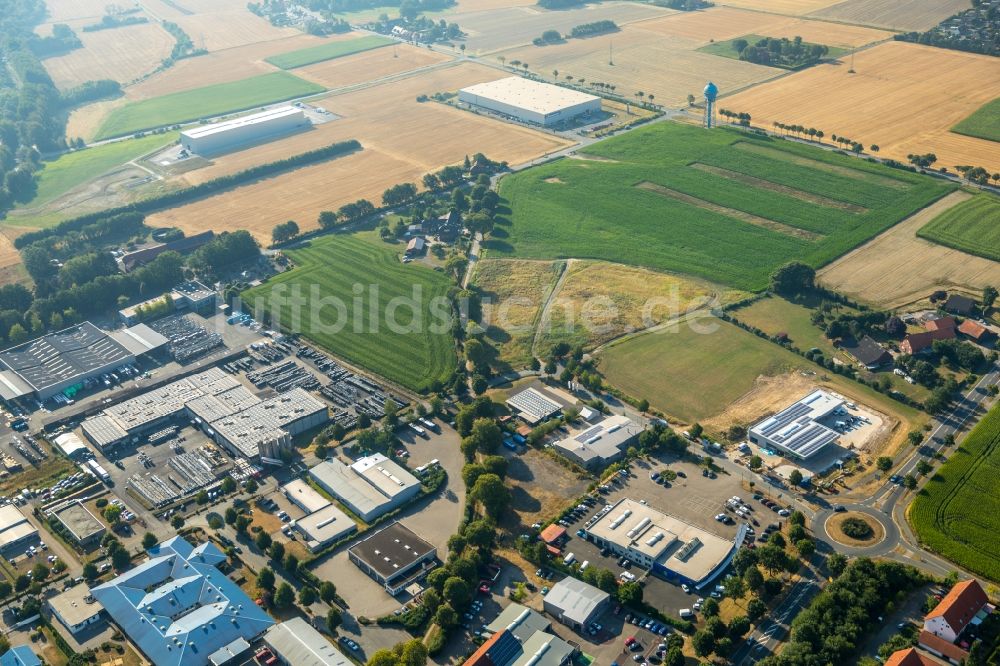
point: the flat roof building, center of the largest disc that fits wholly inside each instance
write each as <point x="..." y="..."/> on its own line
<point x="370" y="487"/>
<point x="530" y="101"/>
<point x="795" y="431"/>
<point x="663" y="544"/>
<point x="394" y="556"/>
<point x="304" y="496"/>
<point x="56" y="361"/>
<point x="297" y="643"/>
<point x="76" y="608"/>
<point x="602" y="443"/>
<point x="575" y="603"/>
<point x="15" y="530"/>
<point x="325" y="526"/>
<point x="81" y="524"/>
<point x="533" y="406"/>
<point x="230" y="134"/>
<point x="178" y="608"/>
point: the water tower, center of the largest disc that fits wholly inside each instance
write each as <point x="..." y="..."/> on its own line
<point x="711" y="92"/>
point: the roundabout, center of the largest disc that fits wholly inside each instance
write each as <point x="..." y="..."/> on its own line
<point x="855" y="529"/>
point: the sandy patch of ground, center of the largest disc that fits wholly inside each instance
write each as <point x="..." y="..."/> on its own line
<point x="541" y="487"/>
<point x="897" y="268"/>
<point x="903" y="97"/>
<point x="370" y="65"/>
<point x="84" y="121"/>
<point x="121" y="54"/>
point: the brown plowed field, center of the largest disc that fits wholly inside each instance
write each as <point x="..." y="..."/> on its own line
<point x="369" y="65"/>
<point x="120" y="54"/>
<point x="903" y="97"/>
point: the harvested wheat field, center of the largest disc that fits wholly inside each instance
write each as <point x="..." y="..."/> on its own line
<point x="918" y="15"/>
<point x="790" y="7"/>
<point x="903" y="97"/>
<point x="85" y="120"/>
<point x="897" y="268"/>
<point x="61" y="11"/>
<point x="723" y="23"/>
<point x="369" y="65"/>
<point x="402" y="139"/>
<point x="217" y="31"/>
<point x="165" y="10"/>
<point x="221" y="67"/>
<point x="122" y="54"/>
<point x="670" y="69"/>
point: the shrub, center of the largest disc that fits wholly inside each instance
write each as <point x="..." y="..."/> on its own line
<point x="856" y="528"/>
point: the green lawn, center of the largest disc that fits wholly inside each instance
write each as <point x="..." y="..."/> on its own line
<point x="413" y="350"/>
<point x="971" y="226"/>
<point x="726" y="50"/>
<point x="775" y="315"/>
<point x="694" y="373"/>
<point x="205" y="102"/>
<point x="984" y="123"/>
<point x="592" y="208"/>
<point x="328" y="51"/>
<point x="73" y="169"/>
<point x="957" y="513"/>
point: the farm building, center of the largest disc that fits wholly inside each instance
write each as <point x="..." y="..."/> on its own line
<point x="76" y="608"/>
<point x="178" y="607"/>
<point x="663" y="544"/>
<point x="15" y="530"/>
<point x="796" y="430"/>
<point x="297" y="643"/>
<point x="963" y="606"/>
<point x="868" y="353"/>
<point x="575" y="603"/>
<point x="394" y="556"/>
<point x="415" y="247"/>
<point x="370" y="487"/>
<point x="80" y="523"/>
<point x="942" y="328"/>
<point x="602" y="443"/>
<point x="533" y="406"/>
<point x="530" y="101"/>
<point x="976" y="331"/>
<point x="960" y="305"/>
<point x="229" y="134"/>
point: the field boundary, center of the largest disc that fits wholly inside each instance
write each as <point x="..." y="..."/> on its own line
<point x="819" y="165"/>
<point x="935" y="232"/>
<point x="802" y="195"/>
<point x="312" y="55"/>
<point x="740" y="215"/>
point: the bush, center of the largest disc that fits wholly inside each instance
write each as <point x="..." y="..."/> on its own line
<point x="856" y="528"/>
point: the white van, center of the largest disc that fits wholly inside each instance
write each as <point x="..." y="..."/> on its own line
<point x="569" y="559"/>
<point x="686" y="613"/>
<point x="586" y="563"/>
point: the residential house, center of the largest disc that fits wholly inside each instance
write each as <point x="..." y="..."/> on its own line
<point x="415" y="246"/>
<point x="911" y="657"/>
<point x="868" y="353"/>
<point x="960" y="305"/>
<point x="957" y="610"/>
<point x="942" y="328"/>
<point x="976" y="331"/>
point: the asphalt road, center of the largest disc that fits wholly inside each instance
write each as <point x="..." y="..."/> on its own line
<point x="764" y="639"/>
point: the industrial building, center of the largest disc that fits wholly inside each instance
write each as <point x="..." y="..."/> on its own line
<point x="575" y="603"/>
<point x="20" y="656"/>
<point x="394" y="557"/>
<point x="521" y="638"/>
<point x="796" y="431"/>
<point x="76" y="608"/>
<point x="370" y="487"/>
<point x="324" y="527"/>
<point x="296" y="643"/>
<point x="178" y="608"/>
<point x="530" y="101"/>
<point x="218" y="403"/>
<point x="602" y="443"/>
<point x="304" y="496"/>
<point x="663" y="544"/>
<point x="532" y="406"/>
<point x="230" y="134"/>
<point x="71" y="446"/>
<point x="65" y="359"/>
<point x="16" y="533"/>
<point x="189" y="296"/>
<point x="80" y="523"/>
<point x="138" y="258"/>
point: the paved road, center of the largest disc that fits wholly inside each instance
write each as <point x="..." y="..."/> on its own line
<point x="763" y="640"/>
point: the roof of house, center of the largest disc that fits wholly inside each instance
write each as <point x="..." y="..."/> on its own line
<point x="297" y="642"/>
<point x="960" y="605"/>
<point x="917" y="342"/>
<point x="867" y="352"/>
<point x="520" y="621"/>
<point x="941" y="646"/>
<point x="959" y="303"/>
<point x="392" y="549"/>
<point x="19" y="656"/>
<point x="575" y="599"/>
<point x="552" y="533"/>
<point x="941" y="323"/>
<point x="178" y="608"/>
<point x="973" y="329"/>
<point x="911" y="657"/>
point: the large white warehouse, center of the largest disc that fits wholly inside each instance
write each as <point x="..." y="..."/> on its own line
<point x="530" y="101"/>
<point x="229" y="134"/>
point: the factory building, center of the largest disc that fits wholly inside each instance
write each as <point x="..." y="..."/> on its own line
<point x="76" y="608"/>
<point x="575" y="603"/>
<point x="394" y="556"/>
<point x="231" y="134"/>
<point x="601" y="444"/>
<point x="323" y="523"/>
<point x="796" y="431"/>
<point x="530" y="101"/>
<point x="296" y="643"/>
<point x="370" y="487"/>
<point x="79" y="522"/>
<point x="16" y="532"/>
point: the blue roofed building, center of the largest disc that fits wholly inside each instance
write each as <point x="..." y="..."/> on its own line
<point x="178" y="608"/>
<point x="19" y="656"/>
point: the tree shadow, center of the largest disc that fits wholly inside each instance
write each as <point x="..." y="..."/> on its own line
<point x="498" y="245"/>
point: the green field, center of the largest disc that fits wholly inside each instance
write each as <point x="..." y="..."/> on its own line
<point x="70" y="170"/>
<point x="593" y="208"/>
<point x="957" y="513"/>
<point x="971" y="227"/>
<point x="328" y="51"/>
<point x="205" y="102"/>
<point x="984" y="123"/>
<point x="726" y="50"/>
<point x="691" y="374"/>
<point x="328" y="269"/>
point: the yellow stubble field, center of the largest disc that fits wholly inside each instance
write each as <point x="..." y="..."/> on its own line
<point x="121" y="54"/>
<point x="61" y="11"/>
<point x="219" y="30"/>
<point x="790" y="7"/>
<point x="903" y="97"/>
<point x="916" y="15"/>
<point x="370" y="65"/>
<point x="402" y="139"/>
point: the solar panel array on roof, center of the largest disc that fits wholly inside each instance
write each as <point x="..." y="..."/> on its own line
<point x="795" y="429"/>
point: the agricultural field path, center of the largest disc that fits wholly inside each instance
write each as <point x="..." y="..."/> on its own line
<point x="544" y="315"/>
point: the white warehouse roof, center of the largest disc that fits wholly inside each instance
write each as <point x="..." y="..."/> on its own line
<point x="543" y="98"/>
<point x="242" y="121"/>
